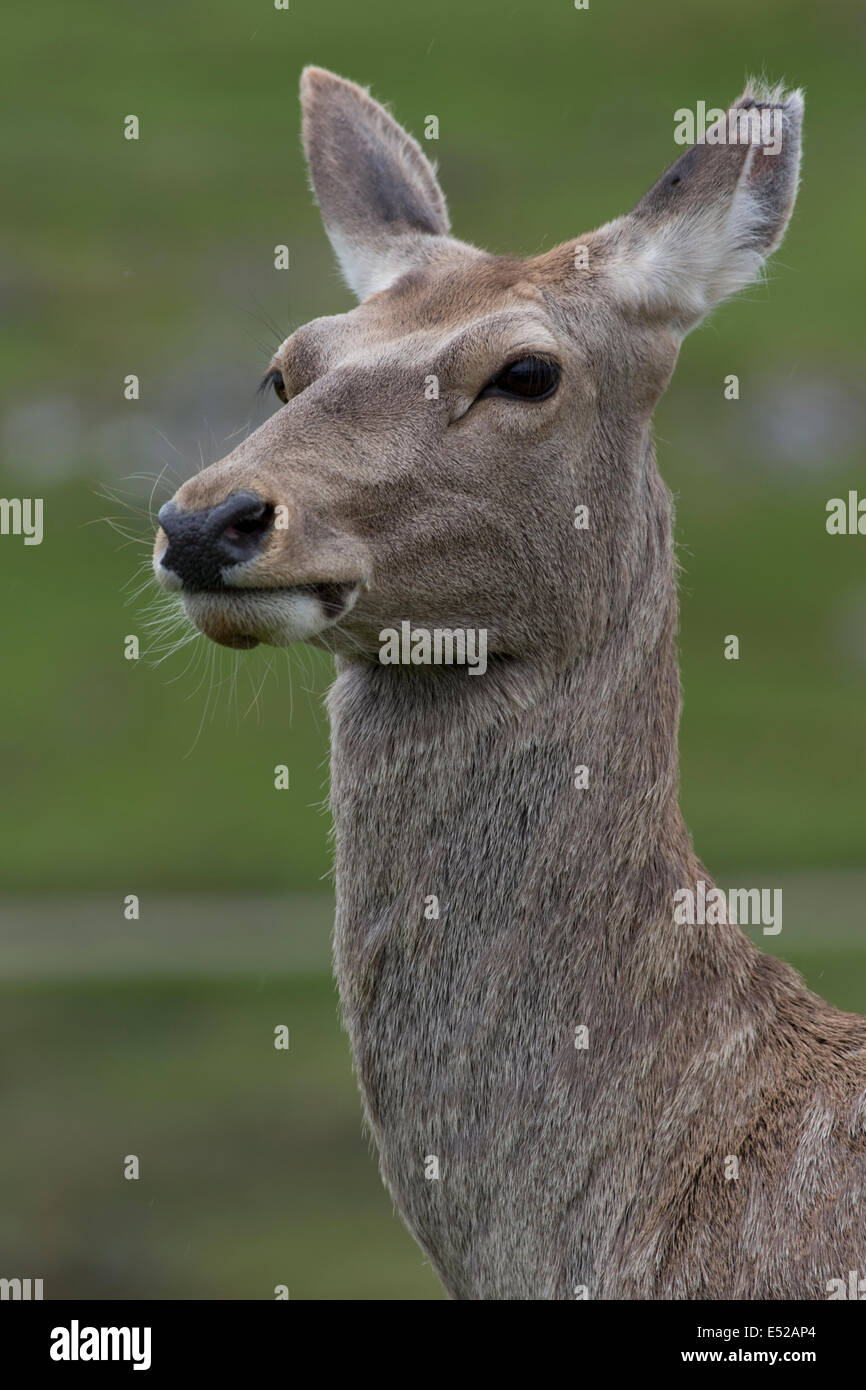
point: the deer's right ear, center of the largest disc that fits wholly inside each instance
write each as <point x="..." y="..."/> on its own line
<point x="706" y="227"/>
<point x="378" y="194"/>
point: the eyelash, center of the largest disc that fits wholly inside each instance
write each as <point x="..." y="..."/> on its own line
<point x="541" y="368"/>
<point x="274" y="378"/>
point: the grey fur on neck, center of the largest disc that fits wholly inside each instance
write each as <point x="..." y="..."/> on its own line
<point x="560" y="1168"/>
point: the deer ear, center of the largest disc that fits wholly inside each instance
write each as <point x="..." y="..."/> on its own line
<point x="705" y="229"/>
<point x="378" y="194"/>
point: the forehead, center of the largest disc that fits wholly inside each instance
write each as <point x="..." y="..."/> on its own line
<point x="427" y="310"/>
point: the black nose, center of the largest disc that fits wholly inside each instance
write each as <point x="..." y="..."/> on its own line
<point x="201" y="545"/>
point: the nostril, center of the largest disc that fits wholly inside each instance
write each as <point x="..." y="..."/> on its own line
<point x="203" y="544"/>
<point x="243" y="522"/>
<point x="255" y="524"/>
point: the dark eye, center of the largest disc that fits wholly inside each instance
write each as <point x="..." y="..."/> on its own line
<point x="529" y="378"/>
<point x="274" y="378"/>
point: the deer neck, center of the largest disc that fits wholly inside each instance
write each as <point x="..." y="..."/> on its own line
<point x="493" y="918"/>
<point x="461" y="813"/>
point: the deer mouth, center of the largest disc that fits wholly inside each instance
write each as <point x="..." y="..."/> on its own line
<point x="242" y="618"/>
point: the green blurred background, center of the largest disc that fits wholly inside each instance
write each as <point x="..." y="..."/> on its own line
<point x="155" y="777"/>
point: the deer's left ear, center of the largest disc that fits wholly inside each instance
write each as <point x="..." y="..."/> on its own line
<point x="705" y="229"/>
<point x="381" y="205"/>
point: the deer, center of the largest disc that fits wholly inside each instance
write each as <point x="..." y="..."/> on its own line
<point x="430" y="451"/>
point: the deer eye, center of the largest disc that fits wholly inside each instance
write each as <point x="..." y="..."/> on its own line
<point x="274" y="378"/>
<point x="529" y="378"/>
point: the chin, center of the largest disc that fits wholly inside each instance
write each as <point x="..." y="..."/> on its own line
<point x="243" y="618"/>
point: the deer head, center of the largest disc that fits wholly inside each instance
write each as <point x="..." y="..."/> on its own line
<point x="433" y="444"/>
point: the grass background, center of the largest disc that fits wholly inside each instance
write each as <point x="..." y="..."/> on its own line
<point x="156" y="257"/>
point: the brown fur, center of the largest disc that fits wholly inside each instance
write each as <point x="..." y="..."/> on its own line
<point x="560" y="1168"/>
